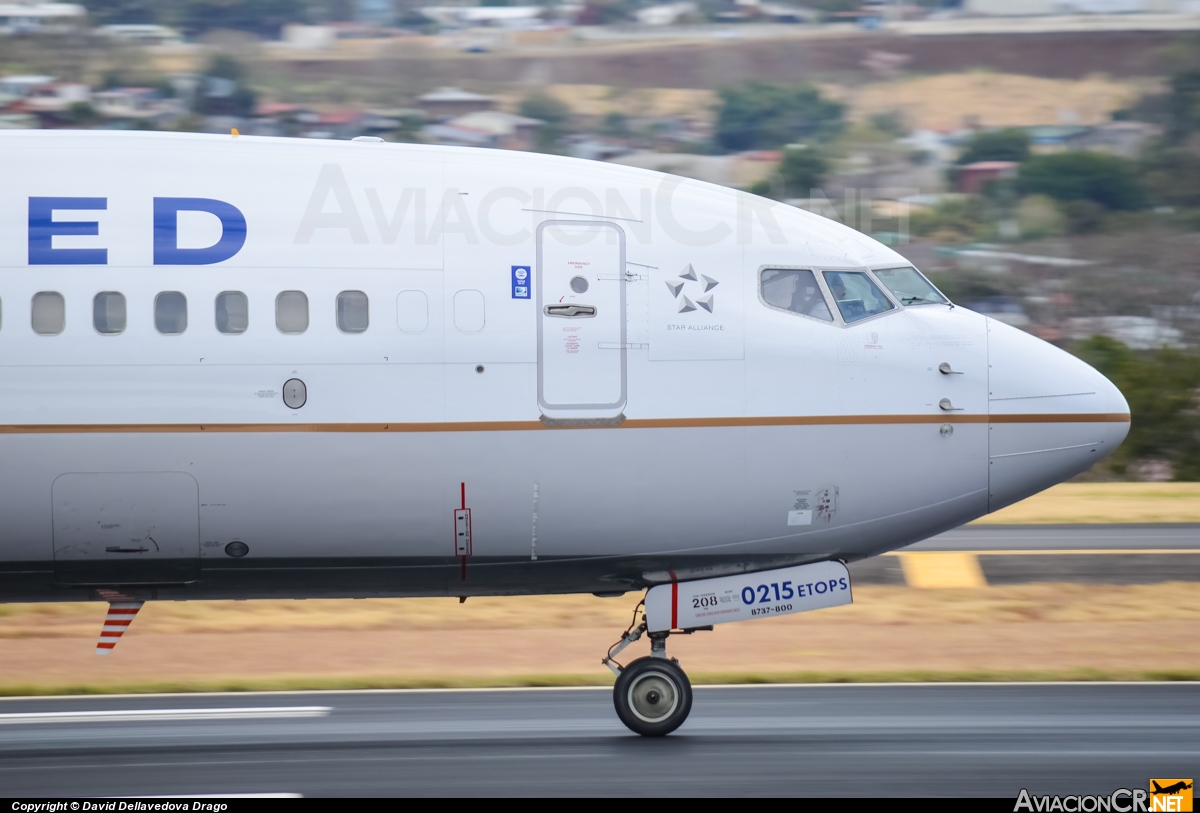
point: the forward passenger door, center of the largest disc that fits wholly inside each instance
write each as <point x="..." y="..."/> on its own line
<point x="580" y="282"/>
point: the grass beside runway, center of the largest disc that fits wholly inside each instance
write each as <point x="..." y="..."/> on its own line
<point x="1019" y="632"/>
<point x="1115" y="503"/>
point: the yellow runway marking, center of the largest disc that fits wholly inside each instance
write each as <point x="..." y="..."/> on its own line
<point x="937" y="570"/>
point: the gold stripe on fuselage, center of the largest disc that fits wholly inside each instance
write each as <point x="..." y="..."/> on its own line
<point x="526" y="426"/>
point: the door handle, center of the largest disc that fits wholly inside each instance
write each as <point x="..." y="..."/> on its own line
<point x="945" y="369"/>
<point x="949" y="407"/>
<point x="570" y="311"/>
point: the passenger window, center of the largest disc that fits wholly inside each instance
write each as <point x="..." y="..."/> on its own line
<point x="108" y="313"/>
<point x="856" y="296"/>
<point x="910" y="287"/>
<point x="468" y="311"/>
<point x="233" y="312"/>
<point x="795" y="291"/>
<point x="353" y="311"/>
<point x="170" y="313"/>
<point x="49" y="313"/>
<point x="412" y="311"/>
<point x="291" y="312"/>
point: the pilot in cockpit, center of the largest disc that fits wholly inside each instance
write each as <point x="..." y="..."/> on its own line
<point x="796" y="291"/>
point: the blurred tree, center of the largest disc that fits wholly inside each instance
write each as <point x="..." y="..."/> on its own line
<point x="409" y="127"/>
<point x="760" y="115"/>
<point x="1182" y="106"/>
<point x="890" y="123"/>
<point x="553" y="113"/>
<point x="1104" y="179"/>
<point x="1010" y="144"/>
<point x="105" y="12"/>
<point x="224" y="90"/>
<point x="970" y="285"/>
<point x="223" y="66"/>
<point x="1171" y="176"/>
<point x="1039" y="216"/>
<point x="616" y="124"/>
<point x="1161" y="388"/>
<point x="802" y="170"/>
<point x="82" y="114"/>
<point x="954" y="221"/>
<point x="1084" y="216"/>
<point x="761" y="188"/>
<point x="261" y="17"/>
<point x="604" y="12"/>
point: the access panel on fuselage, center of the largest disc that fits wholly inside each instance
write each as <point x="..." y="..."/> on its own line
<point x="116" y="528"/>
<point x="581" y="316"/>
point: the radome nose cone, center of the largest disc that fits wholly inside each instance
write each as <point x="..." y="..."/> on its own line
<point x="1052" y="416"/>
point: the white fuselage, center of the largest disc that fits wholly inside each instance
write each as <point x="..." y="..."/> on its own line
<point x="680" y="427"/>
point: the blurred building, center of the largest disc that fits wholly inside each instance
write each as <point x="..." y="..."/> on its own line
<point x="1029" y="8"/>
<point x="31" y="18"/>
<point x="740" y="171"/>
<point x="20" y="87"/>
<point x="142" y="34"/>
<point x="664" y="13"/>
<point x="1124" y="138"/>
<point x="972" y="177"/>
<point x="448" y="103"/>
<point x="308" y="37"/>
<point x="502" y="16"/>
<point x="56" y="97"/>
<point x="1138" y="332"/>
<point x="132" y="105"/>
<point x="486" y="128"/>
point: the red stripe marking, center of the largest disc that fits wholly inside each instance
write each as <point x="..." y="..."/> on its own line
<point x="674" y="605"/>
<point x="123" y="612"/>
<point x="464" y="495"/>
<point x="118" y="622"/>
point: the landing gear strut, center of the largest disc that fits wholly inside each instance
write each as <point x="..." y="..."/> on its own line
<point x="652" y="695"/>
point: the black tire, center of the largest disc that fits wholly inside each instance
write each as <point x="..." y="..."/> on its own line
<point x="653" y="697"/>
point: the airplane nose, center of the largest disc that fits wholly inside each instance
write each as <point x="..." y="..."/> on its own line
<point x="1051" y="416"/>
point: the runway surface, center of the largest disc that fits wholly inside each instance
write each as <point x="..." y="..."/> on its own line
<point x="979" y="538"/>
<point x="839" y="740"/>
<point x="1087" y="554"/>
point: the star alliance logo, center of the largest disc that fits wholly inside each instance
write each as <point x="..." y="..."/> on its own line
<point x="703" y="300"/>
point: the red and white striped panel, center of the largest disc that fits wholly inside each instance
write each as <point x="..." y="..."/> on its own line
<point x="120" y="616"/>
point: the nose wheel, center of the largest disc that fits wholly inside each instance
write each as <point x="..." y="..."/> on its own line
<point x="653" y="696"/>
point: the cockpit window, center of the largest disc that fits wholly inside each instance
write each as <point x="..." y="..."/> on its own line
<point x="910" y="287"/>
<point x="856" y="296"/>
<point x="795" y="291"/>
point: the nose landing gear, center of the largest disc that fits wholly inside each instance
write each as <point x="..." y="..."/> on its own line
<point x="652" y="695"/>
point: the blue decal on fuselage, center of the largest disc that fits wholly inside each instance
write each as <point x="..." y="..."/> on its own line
<point x="520" y="282"/>
<point x="166" y="231"/>
<point x="43" y="228"/>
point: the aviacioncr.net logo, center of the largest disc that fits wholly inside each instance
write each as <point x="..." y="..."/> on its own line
<point x="1122" y="800"/>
